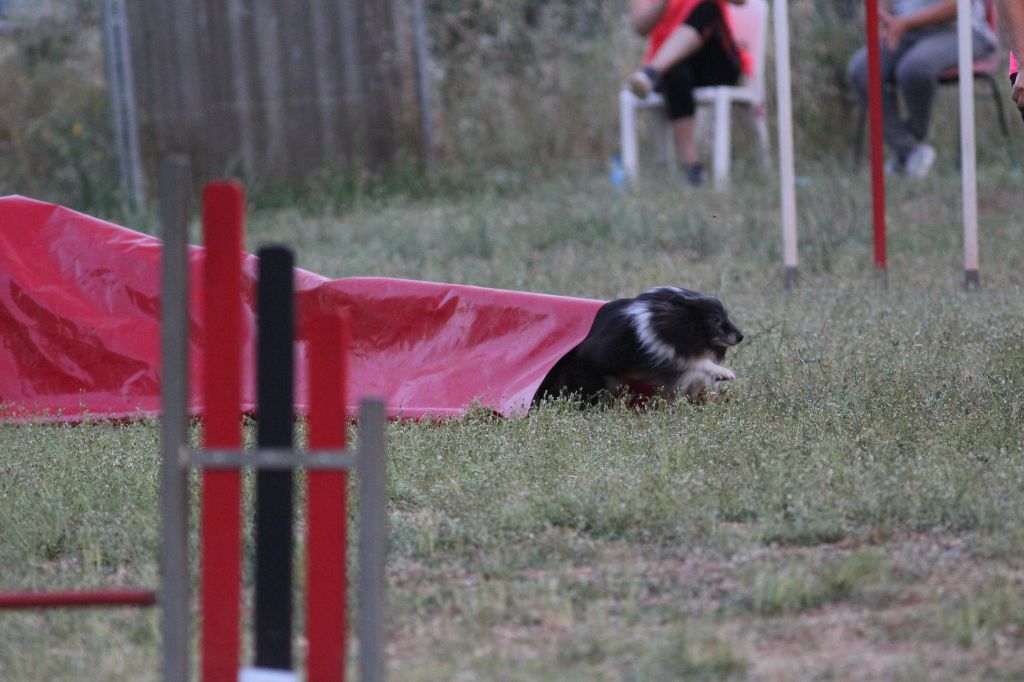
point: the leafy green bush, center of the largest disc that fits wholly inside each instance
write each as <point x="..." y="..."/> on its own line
<point x="55" y="130"/>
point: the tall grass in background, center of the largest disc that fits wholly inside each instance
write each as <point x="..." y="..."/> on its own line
<point x="520" y="88"/>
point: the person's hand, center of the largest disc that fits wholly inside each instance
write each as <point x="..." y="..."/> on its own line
<point x="893" y="28"/>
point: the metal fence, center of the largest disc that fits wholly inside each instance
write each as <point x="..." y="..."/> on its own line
<point x="271" y="90"/>
<point x="30" y="8"/>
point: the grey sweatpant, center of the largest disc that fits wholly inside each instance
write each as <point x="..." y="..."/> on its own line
<point x="913" y="68"/>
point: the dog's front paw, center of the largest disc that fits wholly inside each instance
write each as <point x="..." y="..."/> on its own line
<point x="723" y="374"/>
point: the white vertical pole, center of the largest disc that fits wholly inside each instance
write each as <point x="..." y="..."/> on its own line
<point x="786" y="174"/>
<point x="968" y="165"/>
<point x="723" y="140"/>
<point x="627" y="132"/>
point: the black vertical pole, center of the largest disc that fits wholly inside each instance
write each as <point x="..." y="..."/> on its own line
<point x="273" y="617"/>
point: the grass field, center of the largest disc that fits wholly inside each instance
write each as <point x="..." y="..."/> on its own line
<point x="856" y="511"/>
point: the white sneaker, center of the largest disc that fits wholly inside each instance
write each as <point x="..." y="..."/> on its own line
<point x="640" y="83"/>
<point x="894" y="166"/>
<point x="919" y="162"/>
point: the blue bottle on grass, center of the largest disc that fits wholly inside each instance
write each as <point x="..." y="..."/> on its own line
<point x="617" y="174"/>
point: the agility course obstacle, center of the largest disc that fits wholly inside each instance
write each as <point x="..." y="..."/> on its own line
<point x="968" y="156"/>
<point x="80" y="330"/>
<point x="968" y="160"/>
<point x="221" y="460"/>
<point x="877" y="152"/>
<point x="274" y="460"/>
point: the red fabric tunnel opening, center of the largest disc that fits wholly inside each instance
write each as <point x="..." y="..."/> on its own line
<point x="80" y="328"/>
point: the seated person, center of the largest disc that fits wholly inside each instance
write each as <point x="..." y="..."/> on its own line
<point x="1016" y="89"/>
<point x="690" y="45"/>
<point x="1011" y="13"/>
<point x="918" y="42"/>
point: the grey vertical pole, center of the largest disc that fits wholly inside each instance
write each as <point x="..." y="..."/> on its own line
<point x="423" y="81"/>
<point x="373" y="537"/>
<point x="120" y="88"/>
<point x="174" y="189"/>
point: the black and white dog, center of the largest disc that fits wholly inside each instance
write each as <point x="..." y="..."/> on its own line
<point x="667" y="339"/>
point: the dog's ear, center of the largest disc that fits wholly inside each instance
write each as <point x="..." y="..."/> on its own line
<point x="709" y="305"/>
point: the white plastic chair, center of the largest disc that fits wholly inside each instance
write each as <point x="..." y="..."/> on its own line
<point x="750" y="29"/>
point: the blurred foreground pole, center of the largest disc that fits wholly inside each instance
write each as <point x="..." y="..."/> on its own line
<point x="275" y="422"/>
<point x="875" y="115"/>
<point x="174" y="190"/>
<point x="220" y="510"/>
<point x="968" y="161"/>
<point x="786" y="175"/>
<point x="120" y="89"/>
<point x="373" y="534"/>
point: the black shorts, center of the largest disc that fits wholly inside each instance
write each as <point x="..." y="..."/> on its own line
<point x="717" y="62"/>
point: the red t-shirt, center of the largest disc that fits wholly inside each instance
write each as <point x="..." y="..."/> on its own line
<point x="675" y="12"/>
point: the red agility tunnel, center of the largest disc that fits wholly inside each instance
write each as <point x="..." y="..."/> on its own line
<point x="80" y="328"/>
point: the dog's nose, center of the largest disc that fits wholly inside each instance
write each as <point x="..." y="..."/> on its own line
<point x="739" y="336"/>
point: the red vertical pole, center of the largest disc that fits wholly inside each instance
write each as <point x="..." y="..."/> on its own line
<point x="327" y="541"/>
<point x="875" y="115"/>
<point x="221" y="509"/>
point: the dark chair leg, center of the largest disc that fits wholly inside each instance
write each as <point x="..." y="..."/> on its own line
<point x="997" y="99"/>
<point x="958" y="162"/>
<point x="1000" y="115"/>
